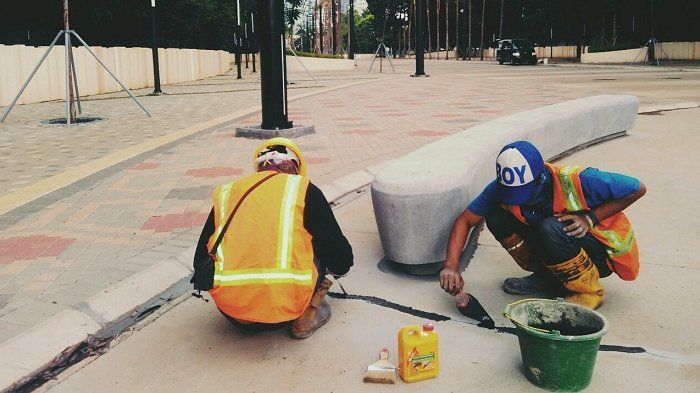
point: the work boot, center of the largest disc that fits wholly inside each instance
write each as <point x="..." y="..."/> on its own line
<point x="539" y="281"/>
<point x="522" y="253"/>
<point x="580" y="277"/>
<point x="316" y="314"/>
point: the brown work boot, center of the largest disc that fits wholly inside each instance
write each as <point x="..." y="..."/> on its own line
<point x="315" y="316"/>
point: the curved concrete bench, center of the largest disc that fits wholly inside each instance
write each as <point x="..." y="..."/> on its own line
<point x="417" y="197"/>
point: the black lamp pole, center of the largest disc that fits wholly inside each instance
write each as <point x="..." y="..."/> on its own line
<point x="351" y="32"/>
<point x="154" y="47"/>
<point x="253" y="38"/>
<point x="238" y="39"/>
<point x="247" y="44"/>
<point x="273" y="67"/>
<point x="420" y="63"/>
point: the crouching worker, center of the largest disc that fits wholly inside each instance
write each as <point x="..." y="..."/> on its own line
<point x="564" y="224"/>
<point x="279" y="239"/>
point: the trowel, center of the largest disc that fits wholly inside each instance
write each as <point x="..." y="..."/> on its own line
<point x="470" y="307"/>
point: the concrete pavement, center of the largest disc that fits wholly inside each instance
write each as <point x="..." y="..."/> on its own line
<point x="60" y="251"/>
<point x="78" y="240"/>
<point x="192" y="347"/>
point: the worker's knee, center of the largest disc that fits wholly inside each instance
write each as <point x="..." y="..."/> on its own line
<point x="554" y="243"/>
<point x="499" y="224"/>
<point x="551" y="229"/>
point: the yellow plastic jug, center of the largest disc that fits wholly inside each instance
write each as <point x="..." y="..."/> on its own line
<point x="418" y="353"/>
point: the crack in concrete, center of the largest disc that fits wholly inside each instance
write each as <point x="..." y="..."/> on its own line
<point x="440" y="318"/>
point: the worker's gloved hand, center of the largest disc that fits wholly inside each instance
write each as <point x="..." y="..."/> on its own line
<point x="578" y="224"/>
<point x="451" y="281"/>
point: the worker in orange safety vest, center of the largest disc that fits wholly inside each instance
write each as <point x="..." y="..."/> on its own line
<point x="270" y="267"/>
<point x="562" y="223"/>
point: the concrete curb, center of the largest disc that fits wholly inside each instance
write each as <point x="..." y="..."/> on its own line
<point x="112" y="311"/>
<point x="638" y="66"/>
<point x="257" y="132"/>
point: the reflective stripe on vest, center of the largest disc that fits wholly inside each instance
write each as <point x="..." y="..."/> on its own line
<point x="574" y="203"/>
<point x="282" y="273"/>
<point x="223" y="207"/>
<point x="618" y="246"/>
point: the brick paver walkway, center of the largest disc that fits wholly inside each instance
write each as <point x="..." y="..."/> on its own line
<point x="91" y="237"/>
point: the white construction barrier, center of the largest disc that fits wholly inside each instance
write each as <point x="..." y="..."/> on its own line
<point x="133" y="66"/>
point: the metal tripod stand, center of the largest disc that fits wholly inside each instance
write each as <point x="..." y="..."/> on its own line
<point x="651" y="45"/>
<point x="302" y="64"/>
<point x="384" y="54"/>
<point x="69" y="65"/>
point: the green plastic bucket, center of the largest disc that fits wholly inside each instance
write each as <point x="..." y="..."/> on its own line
<point x="559" y="341"/>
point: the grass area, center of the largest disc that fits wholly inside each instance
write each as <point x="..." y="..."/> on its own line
<point x="319" y="55"/>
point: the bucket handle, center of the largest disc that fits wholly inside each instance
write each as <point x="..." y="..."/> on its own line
<point x="506" y="313"/>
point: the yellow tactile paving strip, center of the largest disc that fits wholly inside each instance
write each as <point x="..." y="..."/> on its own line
<point x="36" y="190"/>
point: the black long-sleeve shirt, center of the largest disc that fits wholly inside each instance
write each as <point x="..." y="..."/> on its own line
<point x="329" y="243"/>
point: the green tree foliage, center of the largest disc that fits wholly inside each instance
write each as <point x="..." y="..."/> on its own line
<point x="292" y="11"/>
<point x="602" y="23"/>
<point x="209" y="24"/>
<point x="367" y="39"/>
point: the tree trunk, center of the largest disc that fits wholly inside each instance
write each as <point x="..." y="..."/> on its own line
<point x="291" y="36"/>
<point x="469" y="42"/>
<point x="614" y="26"/>
<point x="430" y="38"/>
<point x="500" y="28"/>
<point x="313" y="28"/>
<point x="437" y="28"/>
<point x="483" y="9"/>
<point x="411" y="6"/>
<point x="69" y="71"/>
<point x="456" y="29"/>
<point x="339" y="27"/>
<point x="447" y="29"/>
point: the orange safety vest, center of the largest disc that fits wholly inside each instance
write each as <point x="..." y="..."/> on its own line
<point x="264" y="266"/>
<point x="614" y="232"/>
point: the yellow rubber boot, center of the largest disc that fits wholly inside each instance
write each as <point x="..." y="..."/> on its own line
<point x="580" y="276"/>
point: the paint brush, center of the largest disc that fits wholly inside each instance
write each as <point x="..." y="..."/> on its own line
<point x="470" y="307"/>
<point x="381" y="371"/>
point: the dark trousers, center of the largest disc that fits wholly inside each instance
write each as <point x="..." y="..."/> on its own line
<point x="266" y="327"/>
<point x="548" y="240"/>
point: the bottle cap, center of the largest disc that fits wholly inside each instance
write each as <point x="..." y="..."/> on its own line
<point x="428" y="327"/>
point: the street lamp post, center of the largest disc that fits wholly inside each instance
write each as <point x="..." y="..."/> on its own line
<point x="420" y="63"/>
<point x="247" y="44"/>
<point x="253" y="38"/>
<point x="154" y="46"/>
<point x="273" y="75"/>
<point x="351" y="32"/>
<point x="238" y="40"/>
